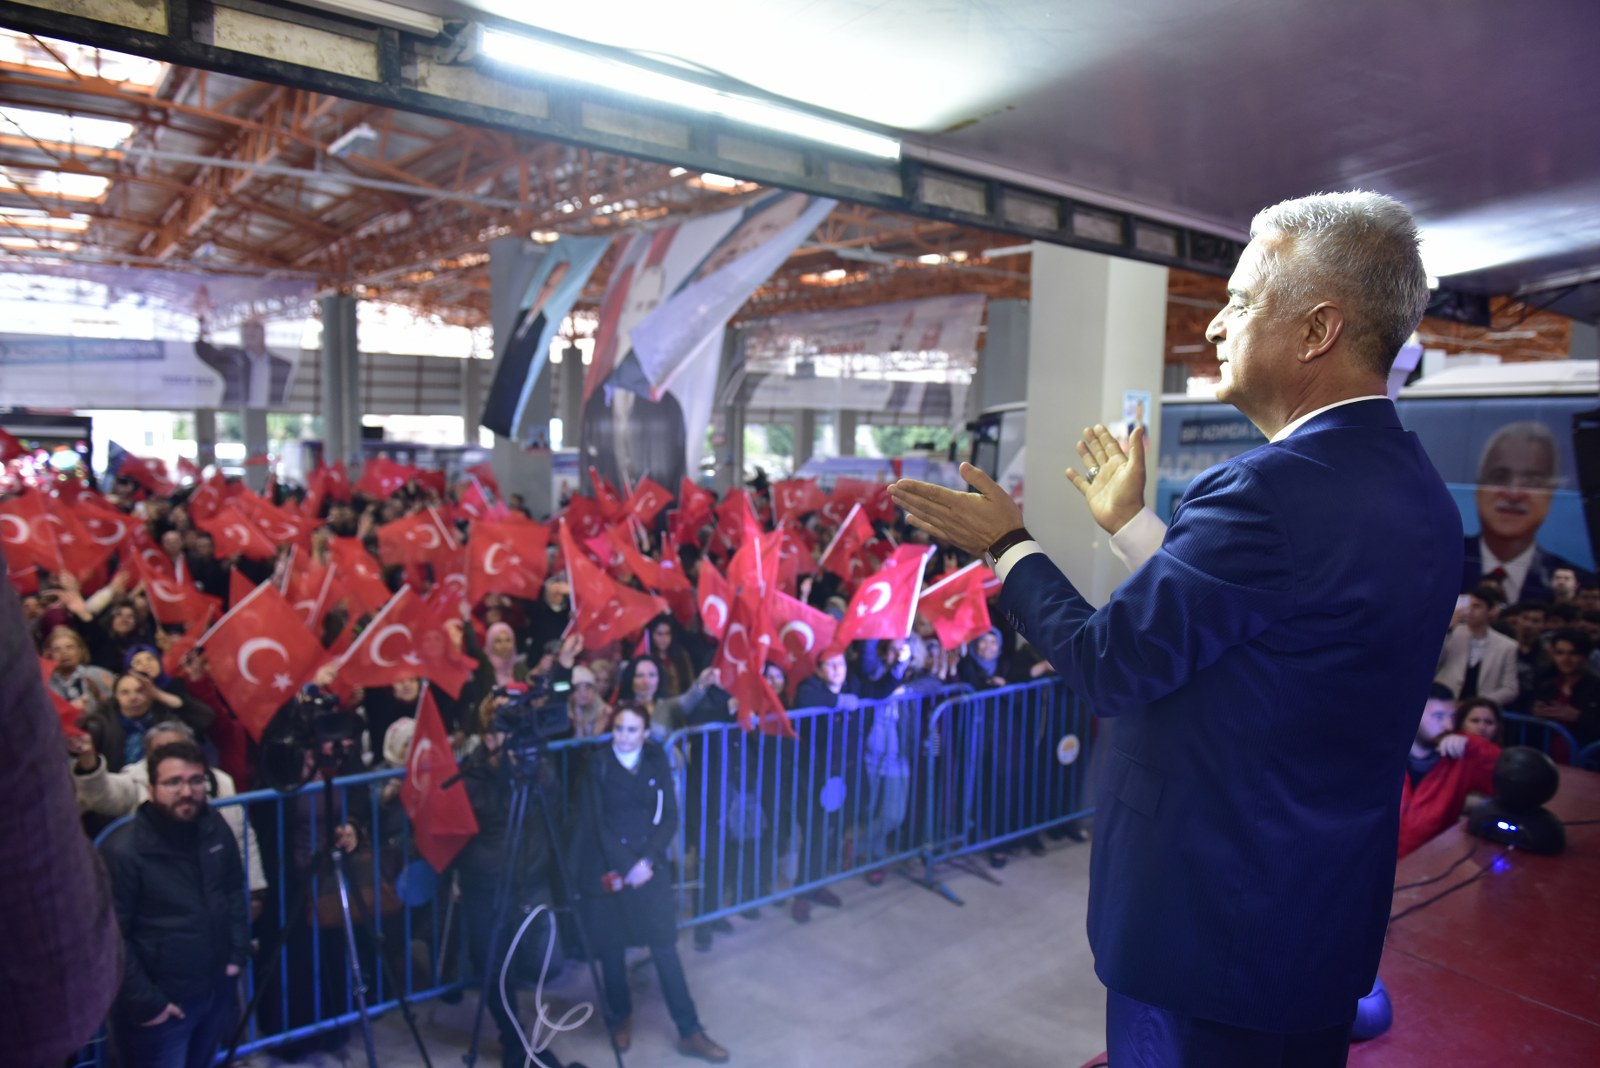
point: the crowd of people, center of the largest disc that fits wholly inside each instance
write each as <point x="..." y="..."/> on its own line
<point x="146" y="719"/>
<point x="142" y="707"/>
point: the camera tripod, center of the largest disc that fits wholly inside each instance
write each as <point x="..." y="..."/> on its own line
<point x="521" y="764"/>
<point x="325" y="770"/>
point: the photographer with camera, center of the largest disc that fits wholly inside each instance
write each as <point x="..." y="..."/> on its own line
<point x="627" y="818"/>
<point x="512" y="724"/>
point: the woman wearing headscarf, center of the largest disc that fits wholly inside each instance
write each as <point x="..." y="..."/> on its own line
<point x="983" y="668"/>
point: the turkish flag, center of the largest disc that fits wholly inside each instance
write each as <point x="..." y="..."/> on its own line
<point x="140" y="548"/>
<point x="745" y="643"/>
<point x="442" y="663"/>
<point x="684" y="529"/>
<point x="381" y="477"/>
<point x="386" y="650"/>
<point x="66" y="711"/>
<point x="713" y="598"/>
<point x="239" y="587"/>
<point x="759" y="706"/>
<point x="506" y="558"/>
<point x="797" y="496"/>
<point x="695" y="501"/>
<point x="662" y="576"/>
<point x="415" y="539"/>
<point x="259" y="654"/>
<point x="10" y="447"/>
<point x="179" y="646"/>
<point x="957" y="605"/>
<point x="432" y="481"/>
<point x="605" y="494"/>
<point x="235" y="535"/>
<point x="25" y="535"/>
<point x="734" y="519"/>
<point x="24" y="580"/>
<point x="211" y="495"/>
<point x="279" y="525"/>
<point x="802" y="633"/>
<point x="605" y="610"/>
<point x="173" y="600"/>
<point x="150" y="474"/>
<point x="586" y="518"/>
<point x="754" y="568"/>
<point x="359" y="575"/>
<point x="441" y="818"/>
<point x="484" y="473"/>
<point x="646" y="501"/>
<point x="81" y="552"/>
<point x="104" y="524"/>
<point x="449" y="589"/>
<point x="886" y="602"/>
<point x="310" y="588"/>
<point x="853" y="535"/>
<point x="339" y="487"/>
<point x="473" y="506"/>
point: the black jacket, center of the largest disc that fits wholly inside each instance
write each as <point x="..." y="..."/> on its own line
<point x="179" y="891"/>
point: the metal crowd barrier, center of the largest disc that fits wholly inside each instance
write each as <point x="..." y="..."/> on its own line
<point x="905" y="783"/>
<point x="1545" y="735"/>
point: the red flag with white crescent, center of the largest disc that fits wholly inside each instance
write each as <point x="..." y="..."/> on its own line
<point x="886" y="602"/>
<point x="957" y="605"/>
<point x="713" y="598"/>
<point x="259" y="654"/>
<point x="442" y="821"/>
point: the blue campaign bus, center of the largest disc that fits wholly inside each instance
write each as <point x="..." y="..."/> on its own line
<point x="1456" y="413"/>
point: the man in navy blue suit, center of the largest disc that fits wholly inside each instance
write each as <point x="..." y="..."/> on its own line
<point x="1265" y="664"/>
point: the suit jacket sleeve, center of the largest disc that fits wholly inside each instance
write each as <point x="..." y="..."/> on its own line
<point x="1223" y="576"/>
<point x="1503" y="687"/>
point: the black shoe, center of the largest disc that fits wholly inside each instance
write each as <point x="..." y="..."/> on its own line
<point x="751" y="913"/>
<point x="1034" y="845"/>
<point x="997" y="859"/>
<point x="702" y="938"/>
<point x="1072" y="832"/>
<point x="823" y="896"/>
<point x="722" y="926"/>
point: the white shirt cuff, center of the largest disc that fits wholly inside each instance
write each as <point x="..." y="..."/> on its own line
<point x="1139" y="539"/>
<point x="1009" y="558"/>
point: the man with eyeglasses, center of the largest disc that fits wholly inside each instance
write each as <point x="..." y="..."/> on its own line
<point x="1516" y="477"/>
<point x="179" y="889"/>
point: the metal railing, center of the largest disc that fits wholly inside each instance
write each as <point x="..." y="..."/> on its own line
<point x="906" y="783"/>
<point x="1545" y="735"/>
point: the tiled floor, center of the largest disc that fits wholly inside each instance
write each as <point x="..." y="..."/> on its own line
<point x="897" y="977"/>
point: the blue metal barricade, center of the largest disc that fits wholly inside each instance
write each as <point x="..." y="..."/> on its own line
<point x="924" y="775"/>
<point x="1545" y="735"/>
<point x="1003" y="764"/>
<point x="766" y="817"/>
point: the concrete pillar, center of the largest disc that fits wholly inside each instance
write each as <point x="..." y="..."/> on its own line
<point x="341" y="385"/>
<point x="844" y="422"/>
<point x="805" y="433"/>
<point x="474" y="379"/>
<point x="512" y="261"/>
<point x="1002" y="375"/>
<point x="254" y="422"/>
<point x="205" y="437"/>
<point x="1096" y="329"/>
<point x="572" y="371"/>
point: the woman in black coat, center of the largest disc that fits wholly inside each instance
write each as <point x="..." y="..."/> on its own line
<point x="627" y="818"/>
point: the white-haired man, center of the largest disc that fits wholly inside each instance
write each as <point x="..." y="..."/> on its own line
<point x="1265" y="663"/>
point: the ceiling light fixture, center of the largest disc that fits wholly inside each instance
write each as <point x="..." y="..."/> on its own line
<point x="384" y="14"/>
<point x="573" y="64"/>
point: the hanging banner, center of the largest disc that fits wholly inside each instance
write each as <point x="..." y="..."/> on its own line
<point x="555" y="281"/>
<point x="946" y="325"/>
<point x="675" y="288"/>
<point x="80" y="372"/>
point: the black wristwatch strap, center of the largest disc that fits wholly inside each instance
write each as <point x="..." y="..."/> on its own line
<point x="1005" y="541"/>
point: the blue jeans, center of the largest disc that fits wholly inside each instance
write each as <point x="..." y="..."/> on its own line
<point x="190" y="1042"/>
<point x="887" y="799"/>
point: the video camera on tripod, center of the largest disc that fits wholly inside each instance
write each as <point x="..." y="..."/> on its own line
<point x="533" y="715"/>
<point x="311" y="725"/>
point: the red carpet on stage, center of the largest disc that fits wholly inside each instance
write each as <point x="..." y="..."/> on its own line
<point x="1506" y="970"/>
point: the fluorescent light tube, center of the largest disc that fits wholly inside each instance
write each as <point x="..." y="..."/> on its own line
<point x="557" y="61"/>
